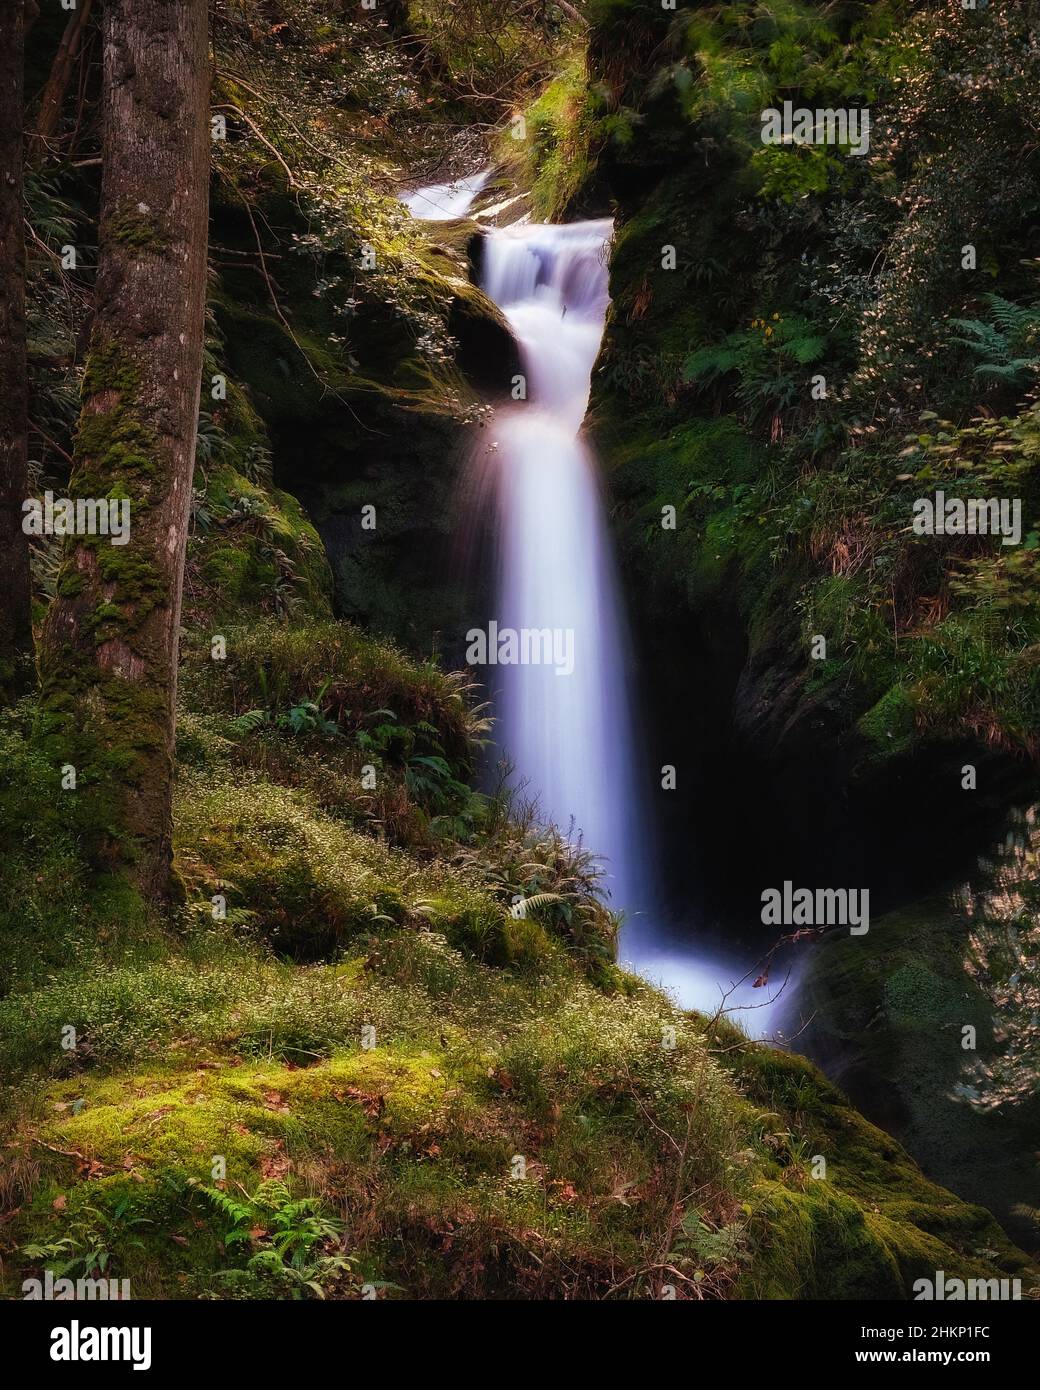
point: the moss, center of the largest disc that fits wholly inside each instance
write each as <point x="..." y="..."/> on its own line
<point x="114" y="445"/>
<point x="555" y="159"/>
<point x="930" y="1033"/>
<point x="874" y="1223"/>
<point x="489" y="1042"/>
<point x="109" y="369"/>
<point x="890" y="725"/>
<point x="820" y="1244"/>
<point x="258" y="552"/>
<point x="279" y="664"/>
<point x="137" y="229"/>
<point x="109" y="728"/>
<point x="418" y="1140"/>
<point x="70" y="583"/>
<point x="230" y="570"/>
<point x="310" y="886"/>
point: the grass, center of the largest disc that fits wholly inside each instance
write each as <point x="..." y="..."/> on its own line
<point x="368" y="1072"/>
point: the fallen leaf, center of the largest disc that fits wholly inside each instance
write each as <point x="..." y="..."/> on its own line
<point x="274" y="1165"/>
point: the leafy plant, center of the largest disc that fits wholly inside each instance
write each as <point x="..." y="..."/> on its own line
<point x="767" y="358"/>
<point x="85" y="1252"/>
<point x="209" y="437"/>
<point x="300" y="1243"/>
<point x="726" y="1245"/>
<point x="303" y="717"/>
<point x="307" y="717"/>
<point x="1007" y="343"/>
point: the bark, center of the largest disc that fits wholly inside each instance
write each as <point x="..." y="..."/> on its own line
<point x="108" y="657"/>
<point x="58" y="78"/>
<point x="15" y="621"/>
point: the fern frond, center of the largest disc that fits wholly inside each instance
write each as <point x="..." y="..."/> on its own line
<point x="249" y="722"/>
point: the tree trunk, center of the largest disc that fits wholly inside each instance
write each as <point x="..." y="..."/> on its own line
<point x="108" y="658"/>
<point x="58" y="78"/>
<point x="15" y="619"/>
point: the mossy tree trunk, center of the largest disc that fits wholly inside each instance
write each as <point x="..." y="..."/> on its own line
<point x="108" y="654"/>
<point x="15" y="621"/>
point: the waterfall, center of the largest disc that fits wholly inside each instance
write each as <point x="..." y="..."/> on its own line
<point x="567" y="724"/>
<point x="557" y="648"/>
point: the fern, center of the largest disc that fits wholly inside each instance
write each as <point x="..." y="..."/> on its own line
<point x="540" y="900"/>
<point x="298" y="1231"/>
<point x="249" y="722"/>
<point x="767" y="359"/>
<point x="1014" y="320"/>
<point x="1003" y="342"/>
<point x="237" y="1213"/>
<point x="725" y="1246"/>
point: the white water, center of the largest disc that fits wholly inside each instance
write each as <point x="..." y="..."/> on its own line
<point x="443" y="201"/>
<point x="571" y="737"/>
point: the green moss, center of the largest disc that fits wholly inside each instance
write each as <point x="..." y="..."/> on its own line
<point x="419" y="1135"/>
<point x="820" y="1244"/>
<point x="279" y="664"/>
<point x="140" y="230"/>
<point x="70" y="583"/>
<point x="107" y="727"/>
<point x="115" y="447"/>
<point x="555" y="158"/>
<point x="873" y="1224"/>
<point x="310" y="886"/>
<point x="204" y="1046"/>
<point x="890" y="725"/>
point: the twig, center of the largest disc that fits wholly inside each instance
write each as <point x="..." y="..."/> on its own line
<point x="230" y="106"/>
<point x="52" y="442"/>
<point x="284" y="321"/>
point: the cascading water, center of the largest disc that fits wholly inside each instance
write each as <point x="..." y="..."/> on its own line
<point x="445" y="200"/>
<point x="565" y="724"/>
<point x="565" y="713"/>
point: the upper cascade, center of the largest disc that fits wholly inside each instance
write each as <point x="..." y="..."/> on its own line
<point x="552" y="284"/>
<point x="442" y="202"/>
